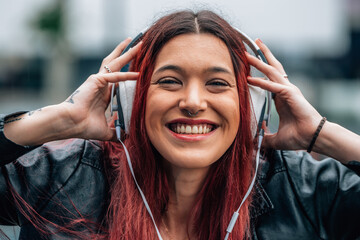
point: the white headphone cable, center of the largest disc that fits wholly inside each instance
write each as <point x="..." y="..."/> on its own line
<point x="236" y="214"/>
<point x="138" y="187"/>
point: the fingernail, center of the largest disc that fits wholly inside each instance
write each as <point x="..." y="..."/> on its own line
<point x="260" y="41"/>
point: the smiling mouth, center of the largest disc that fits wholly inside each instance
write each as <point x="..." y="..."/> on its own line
<point x="181" y="128"/>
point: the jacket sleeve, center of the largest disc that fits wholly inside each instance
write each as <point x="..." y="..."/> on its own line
<point x="34" y="174"/>
<point x="329" y="193"/>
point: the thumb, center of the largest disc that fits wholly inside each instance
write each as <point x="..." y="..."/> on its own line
<point x="269" y="140"/>
<point x="111" y="135"/>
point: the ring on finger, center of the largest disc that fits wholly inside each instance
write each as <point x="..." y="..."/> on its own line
<point x="107" y="68"/>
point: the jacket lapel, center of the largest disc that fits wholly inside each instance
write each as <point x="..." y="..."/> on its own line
<point x="261" y="202"/>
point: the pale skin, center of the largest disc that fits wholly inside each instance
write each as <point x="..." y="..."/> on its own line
<point x="82" y="115"/>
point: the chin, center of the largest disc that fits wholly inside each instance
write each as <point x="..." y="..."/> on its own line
<point x="191" y="159"/>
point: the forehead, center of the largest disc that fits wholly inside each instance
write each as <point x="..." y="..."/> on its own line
<point x="194" y="51"/>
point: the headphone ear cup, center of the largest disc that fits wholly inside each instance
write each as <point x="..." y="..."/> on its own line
<point x="257" y="99"/>
<point x="127" y="92"/>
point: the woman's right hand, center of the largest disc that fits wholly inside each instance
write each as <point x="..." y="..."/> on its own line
<point x="82" y="115"/>
<point x="86" y="107"/>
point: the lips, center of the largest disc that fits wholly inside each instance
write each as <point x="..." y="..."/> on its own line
<point x="191" y="126"/>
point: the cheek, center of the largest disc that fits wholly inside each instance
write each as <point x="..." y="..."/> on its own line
<point x="235" y="118"/>
<point x="229" y="108"/>
<point x="152" y="114"/>
<point x="157" y="105"/>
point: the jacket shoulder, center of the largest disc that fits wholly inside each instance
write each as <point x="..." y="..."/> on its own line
<point x="328" y="192"/>
<point x="43" y="172"/>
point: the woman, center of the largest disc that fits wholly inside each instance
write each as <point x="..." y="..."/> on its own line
<point x="192" y="72"/>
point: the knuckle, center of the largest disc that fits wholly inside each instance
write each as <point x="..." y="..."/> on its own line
<point x="270" y="70"/>
<point x="280" y="68"/>
<point x="297" y="89"/>
<point x="93" y="77"/>
<point x="106" y="60"/>
<point x="127" y="55"/>
<point x="277" y="63"/>
<point x="266" y="51"/>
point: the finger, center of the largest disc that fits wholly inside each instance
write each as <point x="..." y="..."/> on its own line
<point x="270" y="57"/>
<point x="121" y="61"/>
<point x="266" y="84"/>
<point x="115" y="53"/>
<point x="271" y="72"/>
<point x="111" y="120"/>
<point x="117" y="76"/>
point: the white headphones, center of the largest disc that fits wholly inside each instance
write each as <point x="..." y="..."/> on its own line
<point x="122" y="98"/>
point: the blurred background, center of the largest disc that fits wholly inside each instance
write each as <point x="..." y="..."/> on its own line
<point x="49" y="47"/>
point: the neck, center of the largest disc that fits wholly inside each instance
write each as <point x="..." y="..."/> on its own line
<point x="185" y="185"/>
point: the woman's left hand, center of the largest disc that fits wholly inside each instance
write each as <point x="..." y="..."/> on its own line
<point x="298" y="118"/>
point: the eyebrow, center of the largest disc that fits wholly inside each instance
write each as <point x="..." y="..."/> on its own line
<point x="218" y="70"/>
<point x="180" y="70"/>
<point x="170" y="67"/>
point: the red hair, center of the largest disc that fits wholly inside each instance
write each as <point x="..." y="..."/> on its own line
<point x="228" y="178"/>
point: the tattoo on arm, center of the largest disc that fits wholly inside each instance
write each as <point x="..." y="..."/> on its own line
<point x="32" y="112"/>
<point x="13" y="120"/>
<point x="18" y="118"/>
<point x="70" y="99"/>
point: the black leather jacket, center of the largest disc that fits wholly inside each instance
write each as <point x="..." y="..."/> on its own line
<point x="295" y="197"/>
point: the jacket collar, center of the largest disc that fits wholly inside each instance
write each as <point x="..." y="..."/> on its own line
<point x="261" y="202"/>
<point x="270" y="163"/>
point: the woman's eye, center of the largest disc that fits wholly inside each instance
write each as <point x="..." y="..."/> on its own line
<point x="168" y="81"/>
<point x="218" y="83"/>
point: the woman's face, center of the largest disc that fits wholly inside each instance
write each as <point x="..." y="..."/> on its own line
<point x="193" y="72"/>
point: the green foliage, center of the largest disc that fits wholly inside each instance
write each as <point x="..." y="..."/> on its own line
<point x="51" y="20"/>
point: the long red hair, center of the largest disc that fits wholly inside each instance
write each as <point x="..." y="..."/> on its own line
<point x="228" y="178"/>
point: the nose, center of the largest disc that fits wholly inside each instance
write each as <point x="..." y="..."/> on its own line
<point x="193" y="100"/>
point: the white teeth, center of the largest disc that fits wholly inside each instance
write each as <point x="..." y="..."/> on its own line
<point x="188" y="129"/>
<point x="191" y="129"/>
<point x="194" y="130"/>
<point x="182" y="129"/>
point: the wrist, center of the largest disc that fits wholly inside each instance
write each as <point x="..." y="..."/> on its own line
<point x="338" y="142"/>
<point x="66" y="126"/>
<point x="308" y="132"/>
<point x="316" y="134"/>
